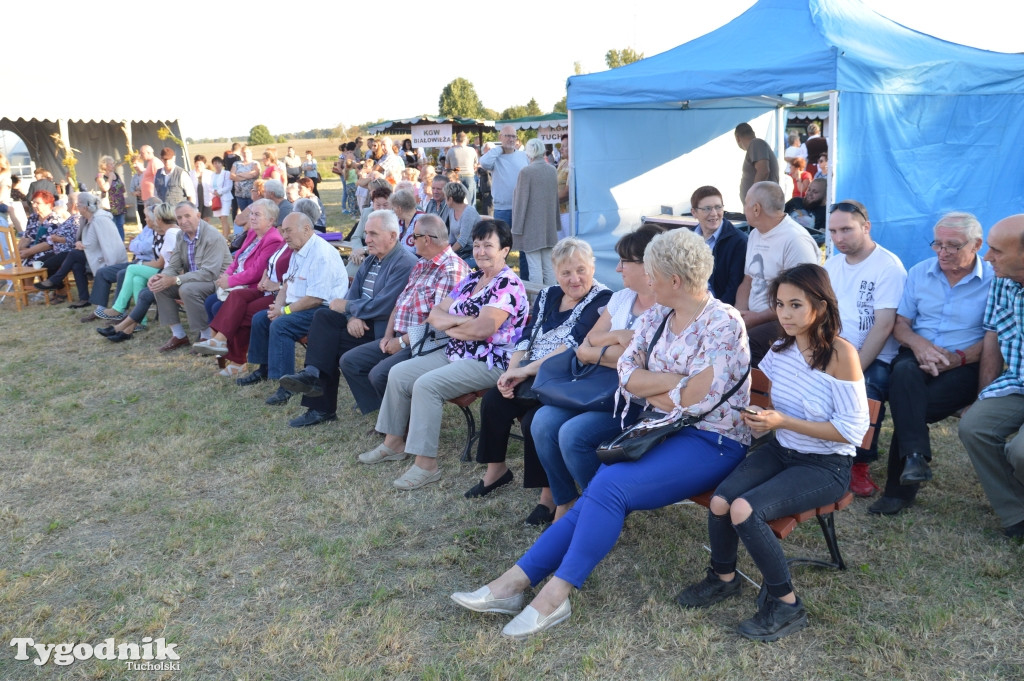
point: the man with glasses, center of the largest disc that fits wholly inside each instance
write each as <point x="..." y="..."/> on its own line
<point x="868" y="283"/>
<point x="435" y="274"/>
<point x="991" y="428"/>
<point x="935" y="374"/>
<point x="360" y="316"/>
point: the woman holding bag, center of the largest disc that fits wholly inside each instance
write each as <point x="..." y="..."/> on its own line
<point x="699" y="356"/>
<point x="560" y="319"/>
<point x="566" y="438"/>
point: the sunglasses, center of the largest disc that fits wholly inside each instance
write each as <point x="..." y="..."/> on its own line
<point x="847" y="208"/>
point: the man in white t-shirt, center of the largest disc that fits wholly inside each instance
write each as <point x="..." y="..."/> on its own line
<point x="868" y="283"/>
<point x="776" y="242"/>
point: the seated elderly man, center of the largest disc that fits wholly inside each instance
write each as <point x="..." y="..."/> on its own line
<point x="200" y="256"/>
<point x="274" y="190"/>
<point x="991" y="430"/>
<point x="316" y="274"/>
<point x="939" y="325"/>
<point x="436" y="273"/>
<point x="775" y="243"/>
<point x="355" y="317"/>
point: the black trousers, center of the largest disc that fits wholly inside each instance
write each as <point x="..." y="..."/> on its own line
<point x="496" y="416"/>
<point x="761" y="338"/>
<point x="327" y="341"/>
<point x="916" y="398"/>
<point x="74" y="261"/>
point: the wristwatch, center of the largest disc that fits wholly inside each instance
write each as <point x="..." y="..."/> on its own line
<point x="402" y="343"/>
<point x="177" y="281"/>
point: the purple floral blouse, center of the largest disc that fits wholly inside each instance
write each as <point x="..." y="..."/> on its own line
<point x="716" y="339"/>
<point x="505" y="292"/>
<point x="116" y="195"/>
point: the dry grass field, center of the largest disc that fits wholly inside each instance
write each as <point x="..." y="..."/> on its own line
<point x="142" y="496"/>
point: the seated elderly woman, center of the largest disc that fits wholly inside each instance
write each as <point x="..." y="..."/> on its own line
<point x="160" y="220"/>
<point x="160" y="217"/>
<point x="258" y="268"/>
<point x="47" y="238"/>
<point x="403" y="202"/>
<point x="98" y="245"/>
<point x="242" y="218"/>
<point x="483" y="316"/>
<point x="461" y="219"/>
<point x="687" y="354"/>
<point x="248" y="264"/>
<point x="560" y="319"/>
<point x="566" y="439"/>
<point x="819" y="415"/>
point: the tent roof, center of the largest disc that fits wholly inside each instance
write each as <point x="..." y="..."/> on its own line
<point x="458" y="123"/>
<point x="844" y="46"/>
<point x="550" y="120"/>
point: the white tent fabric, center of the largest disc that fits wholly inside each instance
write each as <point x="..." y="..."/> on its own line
<point x="921" y="126"/>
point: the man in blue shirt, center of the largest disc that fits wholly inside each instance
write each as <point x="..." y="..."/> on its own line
<point x="999" y="412"/>
<point x="939" y="325"/>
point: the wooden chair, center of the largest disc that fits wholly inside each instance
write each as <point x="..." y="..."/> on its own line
<point x="760" y="395"/>
<point x="12" y="270"/>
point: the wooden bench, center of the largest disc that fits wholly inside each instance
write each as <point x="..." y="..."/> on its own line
<point x="760" y="395"/>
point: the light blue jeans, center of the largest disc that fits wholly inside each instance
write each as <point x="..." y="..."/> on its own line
<point x="566" y="441"/>
<point x="272" y="343"/>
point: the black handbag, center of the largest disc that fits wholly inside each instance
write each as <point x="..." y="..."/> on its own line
<point x="638" y="439"/>
<point x="524" y="389"/>
<point x="563" y="381"/>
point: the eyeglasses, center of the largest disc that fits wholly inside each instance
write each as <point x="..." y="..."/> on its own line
<point x="421" y="236"/>
<point x="951" y="249"/>
<point x="710" y="209"/>
<point x="847" y="208"/>
<point x="623" y="261"/>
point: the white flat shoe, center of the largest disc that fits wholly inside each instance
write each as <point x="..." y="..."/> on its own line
<point x="482" y="600"/>
<point x="416" y="477"/>
<point x="211" y="346"/>
<point x="530" y="622"/>
<point x="381" y="453"/>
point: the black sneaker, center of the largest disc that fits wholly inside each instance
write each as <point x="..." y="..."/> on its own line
<point x="708" y="591"/>
<point x="774" y="619"/>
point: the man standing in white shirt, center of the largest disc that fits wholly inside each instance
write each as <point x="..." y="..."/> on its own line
<point x="776" y="242"/>
<point x="868" y="282"/>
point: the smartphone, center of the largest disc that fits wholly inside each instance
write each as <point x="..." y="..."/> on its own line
<point x="747" y="410"/>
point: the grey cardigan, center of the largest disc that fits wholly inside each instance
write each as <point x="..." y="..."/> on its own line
<point x="535" y="219"/>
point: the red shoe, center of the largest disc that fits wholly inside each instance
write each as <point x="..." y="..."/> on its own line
<point x="861" y="483"/>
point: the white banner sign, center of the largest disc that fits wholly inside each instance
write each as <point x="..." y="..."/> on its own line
<point x="433" y="135"/>
<point x="552" y="135"/>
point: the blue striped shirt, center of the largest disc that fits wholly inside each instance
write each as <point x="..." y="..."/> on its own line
<point x="1004" y="314"/>
<point x="812" y="395"/>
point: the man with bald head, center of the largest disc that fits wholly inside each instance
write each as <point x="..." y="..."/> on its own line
<point x="316" y="275"/>
<point x="992" y="430"/>
<point x="776" y="242"/>
<point x="357" y="317"/>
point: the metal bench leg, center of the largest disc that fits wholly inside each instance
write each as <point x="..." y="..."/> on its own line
<point x="471" y="435"/>
<point x="828" y="529"/>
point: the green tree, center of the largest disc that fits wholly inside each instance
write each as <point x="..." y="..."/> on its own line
<point x="517" y="111"/>
<point x="561" y="106"/>
<point x="281" y="139"/>
<point x="532" y="108"/>
<point x="259" y="134"/>
<point x="459" y="100"/>
<point x="616" y="58"/>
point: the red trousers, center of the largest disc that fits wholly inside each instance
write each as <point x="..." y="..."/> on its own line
<point x="234" y="320"/>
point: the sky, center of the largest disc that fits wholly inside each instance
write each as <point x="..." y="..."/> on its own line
<point x="228" y="66"/>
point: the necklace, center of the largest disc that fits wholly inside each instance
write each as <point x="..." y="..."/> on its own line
<point x="707" y="297"/>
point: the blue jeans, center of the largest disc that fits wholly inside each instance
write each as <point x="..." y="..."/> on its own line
<point x="272" y="343"/>
<point x="776" y="482"/>
<point x="566" y="441"/>
<point x="102" y="280"/>
<point x="212" y="304"/>
<point x="469" y="182"/>
<point x="876" y="384"/>
<point x="690" y="462"/>
<point x="144" y="301"/>
<point x="119" y="223"/>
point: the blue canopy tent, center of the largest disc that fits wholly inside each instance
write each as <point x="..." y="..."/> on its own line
<point x="920" y="127"/>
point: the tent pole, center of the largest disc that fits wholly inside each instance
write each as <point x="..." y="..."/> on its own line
<point x="833" y="127"/>
<point x="572" y="179"/>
